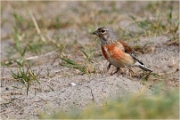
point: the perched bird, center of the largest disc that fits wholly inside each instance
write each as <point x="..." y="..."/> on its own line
<point x="117" y="52"/>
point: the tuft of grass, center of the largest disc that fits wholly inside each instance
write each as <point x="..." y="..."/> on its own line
<point x="85" y="67"/>
<point x="25" y="76"/>
<point x="88" y="55"/>
<point x="71" y="64"/>
<point x="159" y="105"/>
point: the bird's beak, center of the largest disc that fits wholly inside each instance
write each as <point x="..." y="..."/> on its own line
<point x="95" y="32"/>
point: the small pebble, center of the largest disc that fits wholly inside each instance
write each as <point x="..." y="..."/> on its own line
<point x="73" y="84"/>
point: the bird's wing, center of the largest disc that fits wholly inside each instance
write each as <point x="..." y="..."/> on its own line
<point x="128" y="50"/>
<point x="134" y="56"/>
<point x="116" y="51"/>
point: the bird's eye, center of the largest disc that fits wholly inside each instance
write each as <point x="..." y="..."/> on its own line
<point x="103" y="31"/>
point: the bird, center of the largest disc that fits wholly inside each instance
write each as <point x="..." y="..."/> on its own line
<point x="117" y="52"/>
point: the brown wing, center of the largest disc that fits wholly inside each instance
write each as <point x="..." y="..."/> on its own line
<point x="126" y="47"/>
<point x="129" y="51"/>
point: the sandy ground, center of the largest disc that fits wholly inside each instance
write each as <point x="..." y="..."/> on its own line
<point x="55" y="90"/>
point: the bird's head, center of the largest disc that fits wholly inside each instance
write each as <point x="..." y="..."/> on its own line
<point x="106" y="35"/>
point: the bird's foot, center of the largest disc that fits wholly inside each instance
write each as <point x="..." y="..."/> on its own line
<point x="117" y="69"/>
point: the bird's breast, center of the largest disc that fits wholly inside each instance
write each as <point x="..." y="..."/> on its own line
<point x="116" y="56"/>
<point x="112" y="51"/>
<point x="112" y="54"/>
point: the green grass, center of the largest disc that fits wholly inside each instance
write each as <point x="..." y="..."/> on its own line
<point x="25" y="76"/>
<point x="28" y="37"/>
<point x="157" y="27"/>
<point x="159" y="105"/>
<point x="71" y="64"/>
<point x="163" y="22"/>
<point x="156" y="19"/>
<point x="87" y="55"/>
<point x="18" y="48"/>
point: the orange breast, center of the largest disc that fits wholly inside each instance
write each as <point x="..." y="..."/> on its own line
<point x="115" y="51"/>
<point x="117" y="55"/>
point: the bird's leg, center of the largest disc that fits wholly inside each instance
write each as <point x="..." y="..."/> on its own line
<point x="117" y="69"/>
<point x="109" y="66"/>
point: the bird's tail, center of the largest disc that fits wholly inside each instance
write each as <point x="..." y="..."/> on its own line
<point x="143" y="67"/>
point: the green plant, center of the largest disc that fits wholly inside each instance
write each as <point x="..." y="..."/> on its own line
<point x="87" y="55"/>
<point x="162" y="23"/>
<point x="17" y="46"/>
<point x="71" y="64"/>
<point x="25" y="76"/>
